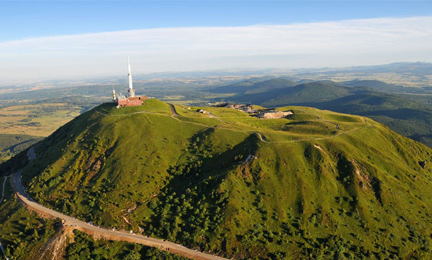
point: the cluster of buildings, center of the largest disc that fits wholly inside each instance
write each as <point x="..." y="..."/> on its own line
<point x="131" y="99"/>
<point x="248" y="108"/>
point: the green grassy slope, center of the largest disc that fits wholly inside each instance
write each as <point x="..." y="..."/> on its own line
<point x="318" y="184"/>
<point x="250" y="87"/>
<point x="24" y="235"/>
<point x="406" y="114"/>
<point x="401" y="114"/>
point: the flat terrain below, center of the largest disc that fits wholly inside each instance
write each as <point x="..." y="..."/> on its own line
<point x="36" y="120"/>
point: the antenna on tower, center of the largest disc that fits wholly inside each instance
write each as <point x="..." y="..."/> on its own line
<point x="114" y="94"/>
<point x="131" y="91"/>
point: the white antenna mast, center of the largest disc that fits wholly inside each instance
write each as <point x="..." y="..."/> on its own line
<point x="131" y="90"/>
<point x="114" y="93"/>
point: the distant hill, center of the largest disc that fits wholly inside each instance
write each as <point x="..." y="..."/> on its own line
<point x="413" y="68"/>
<point x="281" y="91"/>
<point x="416" y="68"/>
<point x="285" y="92"/>
<point x="385" y="87"/>
<point x="318" y="184"/>
<point x="403" y="115"/>
<point x="306" y="93"/>
<point x="374" y="84"/>
<point x="249" y="87"/>
<point x="406" y="114"/>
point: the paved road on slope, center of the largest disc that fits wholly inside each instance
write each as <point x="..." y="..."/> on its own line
<point x="173" y="110"/>
<point x="102" y="232"/>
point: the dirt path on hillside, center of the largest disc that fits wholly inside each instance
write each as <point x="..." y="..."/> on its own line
<point x="175" y="116"/>
<point x="263" y="139"/>
<point x="99" y="232"/>
<point x="173" y="110"/>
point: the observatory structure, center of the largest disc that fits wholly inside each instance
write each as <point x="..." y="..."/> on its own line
<point x="130" y="99"/>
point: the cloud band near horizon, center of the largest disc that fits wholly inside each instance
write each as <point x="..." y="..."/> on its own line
<point x="322" y="44"/>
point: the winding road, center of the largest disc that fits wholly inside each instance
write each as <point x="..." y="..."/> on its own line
<point x="173" y="110"/>
<point x="262" y="137"/>
<point x="103" y="232"/>
<point x="100" y="232"/>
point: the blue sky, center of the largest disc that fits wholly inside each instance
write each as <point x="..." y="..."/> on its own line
<point x="63" y="40"/>
<point x="20" y="19"/>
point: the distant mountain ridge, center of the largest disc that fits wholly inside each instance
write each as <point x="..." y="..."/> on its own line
<point x="417" y="68"/>
<point x="249" y="87"/>
<point x="414" y="68"/>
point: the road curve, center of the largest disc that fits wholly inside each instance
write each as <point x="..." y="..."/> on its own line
<point x="102" y="232"/>
<point x="173" y="110"/>
<point x="262" y="137"/>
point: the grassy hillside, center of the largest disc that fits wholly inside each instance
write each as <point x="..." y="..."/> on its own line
<point x="251" y="87"/>
<point x="318" y="184"/>
<point x="407" y="114"/>
<point x="407" y="117"/>
<point x="24" y="235"/>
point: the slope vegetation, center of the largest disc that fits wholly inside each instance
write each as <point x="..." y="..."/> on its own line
<point x="251" y="87"/>
<point x="407" y="114"/>
<point x="318" y="184"/>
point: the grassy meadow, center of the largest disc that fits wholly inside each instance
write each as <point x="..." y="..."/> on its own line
<point x="317" y="184"/>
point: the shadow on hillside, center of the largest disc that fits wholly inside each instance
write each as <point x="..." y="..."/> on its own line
<point x="198" y="184"/>
<point x="52" y="148"/>
<point x="357" y="98"/>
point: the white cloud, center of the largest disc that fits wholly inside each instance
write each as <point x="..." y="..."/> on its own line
<point x="339" y="43"/>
